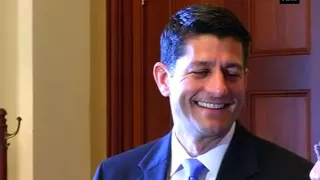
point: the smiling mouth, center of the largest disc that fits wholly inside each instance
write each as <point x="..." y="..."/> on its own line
<point x="216" y="106"/>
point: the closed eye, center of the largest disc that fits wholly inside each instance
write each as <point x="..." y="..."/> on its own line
<point x="201" y="72"/>
<point x="232" y="75"/>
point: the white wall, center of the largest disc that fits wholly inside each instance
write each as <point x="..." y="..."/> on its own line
<point x="52" y="74"/>
<point x="98" y="82"/>
<point x="9" y="75"/>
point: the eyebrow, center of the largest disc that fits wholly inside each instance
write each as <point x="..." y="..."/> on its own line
<point x="206" y="63"/>
<point x="210" y="63"/>
<point x="233" y="65"/>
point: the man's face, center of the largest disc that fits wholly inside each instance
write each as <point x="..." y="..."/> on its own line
<point x="207" y="88"/>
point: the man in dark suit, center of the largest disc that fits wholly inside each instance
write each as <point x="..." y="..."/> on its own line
<point x="203" y="71"/>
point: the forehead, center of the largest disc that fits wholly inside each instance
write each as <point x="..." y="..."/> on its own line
<point x="212" y="48"/>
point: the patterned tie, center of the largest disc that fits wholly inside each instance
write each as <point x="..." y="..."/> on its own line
<point x="194" y="168"/>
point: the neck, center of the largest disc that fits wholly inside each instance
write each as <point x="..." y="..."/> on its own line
<point x="197" y="145"/>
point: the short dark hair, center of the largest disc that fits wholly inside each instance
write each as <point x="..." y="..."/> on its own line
<point x="196" y="20"/>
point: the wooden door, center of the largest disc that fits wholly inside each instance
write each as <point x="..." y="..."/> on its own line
<point x="283" y="93"/>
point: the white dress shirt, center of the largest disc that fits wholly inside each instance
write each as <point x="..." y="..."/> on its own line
<point x="211" y="159"/>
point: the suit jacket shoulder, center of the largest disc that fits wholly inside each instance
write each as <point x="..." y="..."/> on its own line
<point x="250" y="157"/>
<point x="146" y="160"/>
<point x="281" y="162"/>
<point x="123" y="164"/>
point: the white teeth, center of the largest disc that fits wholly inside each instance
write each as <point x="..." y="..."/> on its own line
<point x="211" y="106"/>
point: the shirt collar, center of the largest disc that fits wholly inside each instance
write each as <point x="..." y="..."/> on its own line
<point x="211" y="159"/>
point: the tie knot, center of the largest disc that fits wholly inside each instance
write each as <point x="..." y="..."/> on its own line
<point x="194" y="168"/>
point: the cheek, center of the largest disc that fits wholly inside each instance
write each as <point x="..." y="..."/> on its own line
<point x="238" y="91"/>
<point x="192" y="84"/>
<point x="181" y="93"/>
<point x="180" y="86"/>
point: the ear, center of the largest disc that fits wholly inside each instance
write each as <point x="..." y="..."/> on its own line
<point x="161" y="76"/>
<point x="246" y="74"/>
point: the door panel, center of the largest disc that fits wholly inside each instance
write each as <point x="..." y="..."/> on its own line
<point x="156" y="109"/>
<point x="282" y="117"/>
<point x="281" y="91"/>
<point x="279" y="28"/>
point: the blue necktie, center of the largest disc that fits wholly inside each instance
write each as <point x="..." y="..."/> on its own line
<point x="194" y="168"/>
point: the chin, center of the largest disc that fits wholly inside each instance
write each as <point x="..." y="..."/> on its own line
<point x="215" y="129"/>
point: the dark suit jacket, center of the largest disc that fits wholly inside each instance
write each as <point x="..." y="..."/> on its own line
<point x="247" y="158"/>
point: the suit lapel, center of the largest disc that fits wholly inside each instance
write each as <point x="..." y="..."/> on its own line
<point x="156" y="162"/>
<point x="241" y="159"/>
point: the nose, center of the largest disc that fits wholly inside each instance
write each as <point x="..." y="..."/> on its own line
<point x="216" y="84"/>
